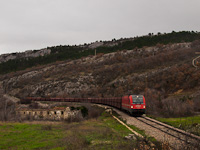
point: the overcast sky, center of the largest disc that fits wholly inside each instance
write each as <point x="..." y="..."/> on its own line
<point x="36" y="24"/>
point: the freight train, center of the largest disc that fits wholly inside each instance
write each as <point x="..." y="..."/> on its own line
<point x="133" y="104"/>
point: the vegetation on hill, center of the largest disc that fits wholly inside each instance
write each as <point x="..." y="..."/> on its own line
<point x="60" y="53"/>
<point x="163" y="73"/>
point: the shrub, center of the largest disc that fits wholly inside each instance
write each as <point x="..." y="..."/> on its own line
<point x="46" y="127"/>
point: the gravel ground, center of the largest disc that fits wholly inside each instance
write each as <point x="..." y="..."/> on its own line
<point x="162" y="136"/>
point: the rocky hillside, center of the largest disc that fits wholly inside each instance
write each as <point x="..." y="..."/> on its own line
<point x="163" y="73"/>
<point x="21" y="61"/>
<point x="24" y="55"/>
<point x="47" y="51"/>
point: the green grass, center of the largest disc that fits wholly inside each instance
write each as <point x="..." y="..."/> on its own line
<point x="102" y="133"/>
<point x="28" y="136"/>
<point x="190" y="124"/>
<point x="115" y="125"/>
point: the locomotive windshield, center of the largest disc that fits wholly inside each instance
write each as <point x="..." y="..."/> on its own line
<point x="137" y="99"/>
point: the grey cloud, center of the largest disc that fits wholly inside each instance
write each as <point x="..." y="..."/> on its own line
<point x="35" y="24"/>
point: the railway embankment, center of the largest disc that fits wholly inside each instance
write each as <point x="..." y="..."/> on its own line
<point x="189" y="124"/>
<point x="177" y="138"/>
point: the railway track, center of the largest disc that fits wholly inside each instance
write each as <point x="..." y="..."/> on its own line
<point x="185" y="139"/>
<point x="176" y="138"/>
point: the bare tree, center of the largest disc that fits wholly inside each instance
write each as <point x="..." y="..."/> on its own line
<point x="7" y="107"/>
<point x="3" y="106"/>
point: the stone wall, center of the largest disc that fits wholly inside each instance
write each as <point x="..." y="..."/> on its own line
<point x="47" y="114"/>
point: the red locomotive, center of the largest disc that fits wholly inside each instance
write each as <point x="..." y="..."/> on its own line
<point x="134" y="104"/>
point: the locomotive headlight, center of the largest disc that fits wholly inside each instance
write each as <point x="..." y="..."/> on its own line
<point x="143" y="106"/>
<point x="131" y="106"/>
